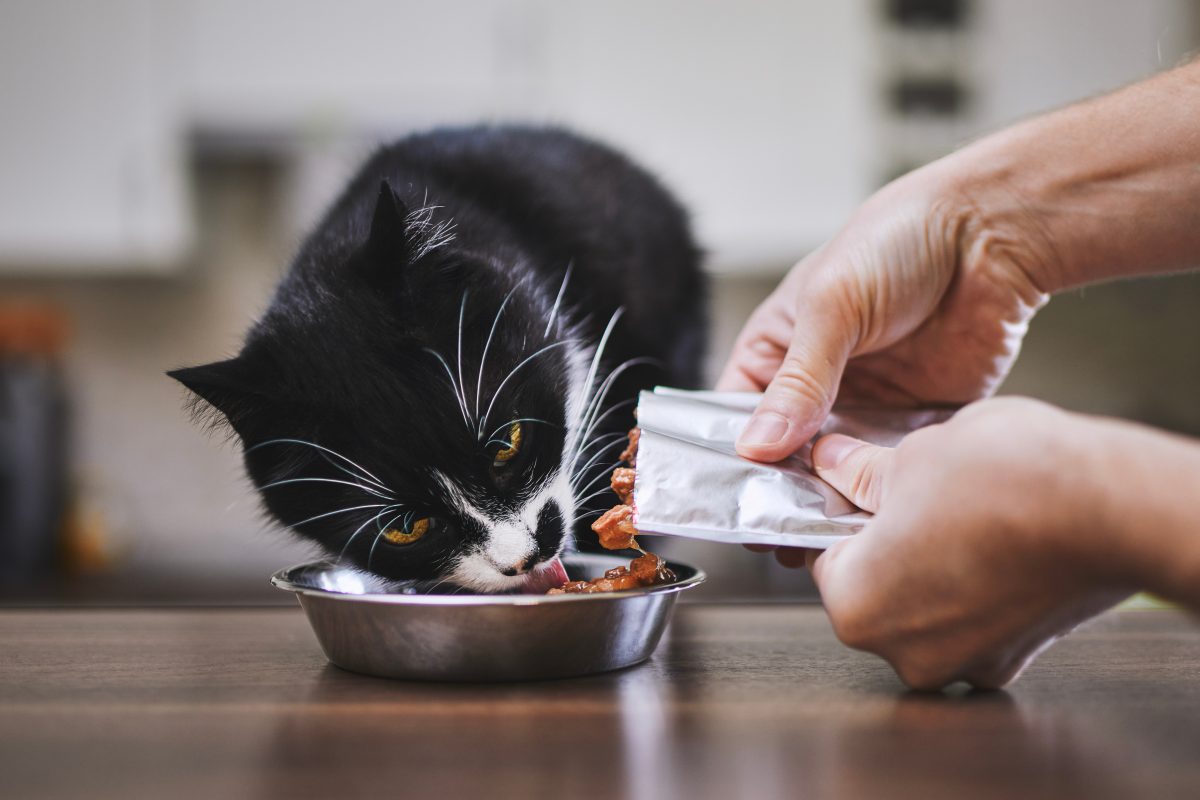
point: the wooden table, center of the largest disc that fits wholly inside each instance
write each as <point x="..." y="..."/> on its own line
<point x="739" y="701"/>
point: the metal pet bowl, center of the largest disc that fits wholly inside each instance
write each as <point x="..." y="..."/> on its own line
<point x="364" y="626"/>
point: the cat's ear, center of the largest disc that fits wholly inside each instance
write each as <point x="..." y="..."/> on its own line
<point x="230" y="387"/>
<point x="386" y="246"/>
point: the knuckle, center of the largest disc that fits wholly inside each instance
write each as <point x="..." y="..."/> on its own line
<point x="866" y="486"/>
<point x="796" y="381"/>
<point x="853" y="626"/>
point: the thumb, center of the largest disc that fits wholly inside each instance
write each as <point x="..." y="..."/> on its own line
<point x="858" y="470"/>
<point x="800" y="395"/>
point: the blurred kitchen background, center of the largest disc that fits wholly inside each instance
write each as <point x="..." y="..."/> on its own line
<point x="160" y="160"/>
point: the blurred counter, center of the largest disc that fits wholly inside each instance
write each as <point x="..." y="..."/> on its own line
<point x="739" y="701"/>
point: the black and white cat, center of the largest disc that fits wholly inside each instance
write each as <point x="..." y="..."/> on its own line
<point x="444" y="375"/>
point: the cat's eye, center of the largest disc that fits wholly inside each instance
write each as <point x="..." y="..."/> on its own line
<point x="409" y="533"/>
<point x="509" y="447"/>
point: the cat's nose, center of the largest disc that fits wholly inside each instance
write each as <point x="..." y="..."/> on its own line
<point x="521" y="567"/>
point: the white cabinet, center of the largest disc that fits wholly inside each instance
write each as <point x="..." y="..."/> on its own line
<point x="92" y="175"/>
<point x="757" y="113"/>
<point x="767" y="117"/>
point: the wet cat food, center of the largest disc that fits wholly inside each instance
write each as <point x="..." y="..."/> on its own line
<point x="617" y="532"/>
<point x="622" y="484"/>
<point x="645" y="570"/>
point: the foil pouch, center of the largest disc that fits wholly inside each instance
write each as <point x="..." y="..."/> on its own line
<point x="690" y="481"/>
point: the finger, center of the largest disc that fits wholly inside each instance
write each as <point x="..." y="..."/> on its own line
<point x="819" y="561"/>
<point x="856" y="469"/>
<point x="733" y="379"/>
<point x="759" y="348"/>
<point x="803" y="389"/>
<point x="760" y="548"/>
<point x="811" y="557"/>
<point x="848" y="599"/>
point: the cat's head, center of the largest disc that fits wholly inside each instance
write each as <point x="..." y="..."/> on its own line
<point x="408" y="405"/>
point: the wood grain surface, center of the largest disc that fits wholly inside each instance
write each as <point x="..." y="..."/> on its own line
<point x="739" y="701"/>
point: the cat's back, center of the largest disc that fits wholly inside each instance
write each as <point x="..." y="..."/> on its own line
<point x="539" y="199"/>
<point x="543" y="181"/>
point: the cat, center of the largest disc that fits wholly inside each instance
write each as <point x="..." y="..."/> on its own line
<point x="441" y="381"/>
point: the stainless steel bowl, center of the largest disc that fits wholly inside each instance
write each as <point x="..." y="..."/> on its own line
<point x="365" y="628"/>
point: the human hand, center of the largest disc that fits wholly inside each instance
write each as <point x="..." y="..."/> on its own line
<point x="920" y="299"/>
<point x="990" y="539"/>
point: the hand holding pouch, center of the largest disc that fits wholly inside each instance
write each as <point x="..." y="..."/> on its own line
<point x="691" y="482"/>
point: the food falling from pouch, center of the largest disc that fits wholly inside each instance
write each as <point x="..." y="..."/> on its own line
<point x="617" y="532"/>
<point x="615" y="529"/>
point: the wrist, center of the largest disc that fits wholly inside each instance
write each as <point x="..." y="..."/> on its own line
<point x="1106" y="499"/>
<point x="1004" y="224"/>
<point x="1148" y="513"/>
<point x="1103" y="189"/>
<point x="1080" y="523"/>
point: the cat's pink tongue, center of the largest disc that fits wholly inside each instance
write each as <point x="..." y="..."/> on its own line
<point x="548" y="576"/>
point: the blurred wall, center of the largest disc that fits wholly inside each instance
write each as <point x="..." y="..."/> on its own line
<point x="771" y="119"/>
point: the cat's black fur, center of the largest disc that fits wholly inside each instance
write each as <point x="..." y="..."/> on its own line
<point x="352" y="387"/>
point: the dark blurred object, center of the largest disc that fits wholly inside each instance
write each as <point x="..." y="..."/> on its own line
<point x="927" y="13"/>
<point x="32" y="441"/>
<point x="928" y="96"/>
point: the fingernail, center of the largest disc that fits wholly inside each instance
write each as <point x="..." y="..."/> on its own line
<point x="764" y="428"/>
<point x="832" y="450"/>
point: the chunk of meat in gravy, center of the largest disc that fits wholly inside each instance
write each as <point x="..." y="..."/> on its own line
<point x="622" y="484"/>
<point x="645" y="570"/>
<point x="615" y="528"/>
<point x="650" y="570"/>
<point x="629" y="454"/>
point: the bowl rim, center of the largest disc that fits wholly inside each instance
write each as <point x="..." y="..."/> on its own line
<point x="282" y="580"/>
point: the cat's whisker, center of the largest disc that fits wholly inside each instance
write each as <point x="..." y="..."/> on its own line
<point x="366" y="472"/>
<point x="453" y="386"/>
<point x="274" y="484"/>
<point x="438" y="585"/>
<point x="597" y="440"/>
<point x="611" y="410"/>
<point x="507" y="378"/>
<point x="587" y="435"/>
<point x="351" y="473"/>
<point x="462" y="310"/>
<point x="487" y="345"/>
<point x="589" y="490"/>
<point x="606" y="387"/>
<point x="441" y="563"/>
<point x="562" y="290"/>
<point x="592" y="496"/>
<point x="590" y="383"/>
<point x="386" y="527"/>
<point x="604" y="473"/>
<point x="587" y="512"/>
<point x="371" y="552"/>
<point x="361" y="528"/>
<point x="339" y="511"/>
<point x="382" y="529"/>
<point x="519" y="419"/>
<point x="598" y="454"/>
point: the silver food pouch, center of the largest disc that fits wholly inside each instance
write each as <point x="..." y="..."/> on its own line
<point x="690" y="481"/>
